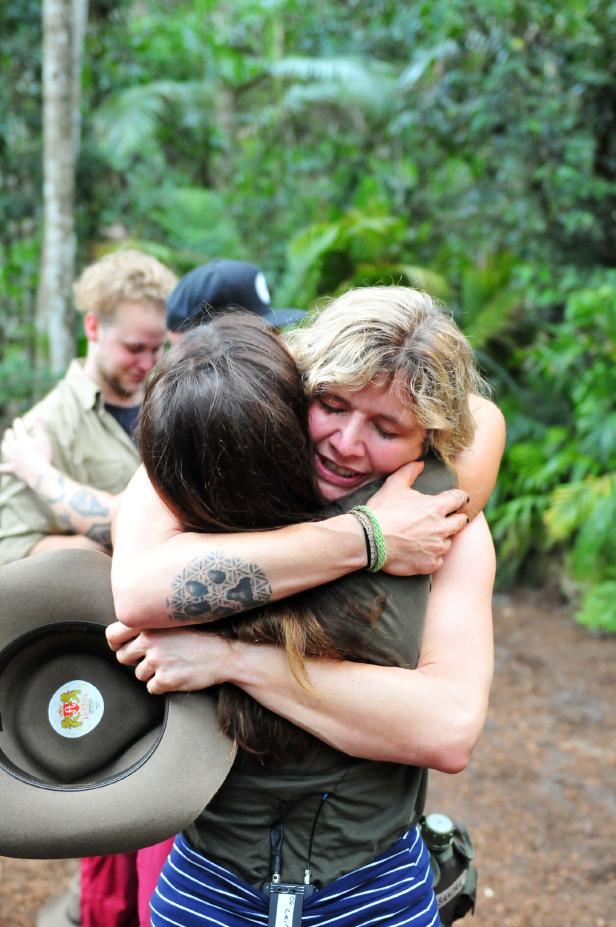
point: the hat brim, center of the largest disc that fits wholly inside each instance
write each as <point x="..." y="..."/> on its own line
<point x="158" y="791"/>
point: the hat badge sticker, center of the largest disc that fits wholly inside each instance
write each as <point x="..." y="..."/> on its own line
<point x="75" y="708"/>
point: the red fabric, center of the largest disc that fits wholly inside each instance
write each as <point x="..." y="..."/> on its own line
<point x="109" y="890"/>
<point x="150" y="861"/>
<point x="116" y="889"/>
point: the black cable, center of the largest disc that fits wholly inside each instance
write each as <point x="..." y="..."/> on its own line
<point x="276" y="841"/>
<point x="324" y="798"/>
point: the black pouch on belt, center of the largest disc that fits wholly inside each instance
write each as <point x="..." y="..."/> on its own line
<point x="453" y="875"/>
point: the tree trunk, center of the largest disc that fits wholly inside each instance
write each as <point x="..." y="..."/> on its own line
<point x="63" y="35"/>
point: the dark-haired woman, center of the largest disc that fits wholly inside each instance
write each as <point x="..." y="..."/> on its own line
<point x="369" y="801"/>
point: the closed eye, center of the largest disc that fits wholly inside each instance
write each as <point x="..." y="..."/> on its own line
<point x="387" y="435"/>
<point x="329" y="407"/>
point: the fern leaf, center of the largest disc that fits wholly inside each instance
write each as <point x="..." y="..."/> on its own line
<point x="598" y="611"/>
<point x="573" y="504"/>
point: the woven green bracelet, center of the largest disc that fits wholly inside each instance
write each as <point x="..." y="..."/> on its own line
<point x="379" y="540"/>
<point x="366" y="526"/>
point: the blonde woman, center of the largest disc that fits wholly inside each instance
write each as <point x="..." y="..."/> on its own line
<point x="389" y="379"/>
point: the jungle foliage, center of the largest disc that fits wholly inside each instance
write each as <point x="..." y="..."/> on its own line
<point x="466" y="147"/>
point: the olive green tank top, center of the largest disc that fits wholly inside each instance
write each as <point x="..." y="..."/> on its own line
<point x="368" y="804"/>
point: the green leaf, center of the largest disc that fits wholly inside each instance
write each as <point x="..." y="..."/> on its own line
<point x="127" y="124"/>
<point x="598" y="611"/>
<point x="198" y="220"/>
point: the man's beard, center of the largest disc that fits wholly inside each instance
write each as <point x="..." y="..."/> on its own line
<point x="114" y="385"/>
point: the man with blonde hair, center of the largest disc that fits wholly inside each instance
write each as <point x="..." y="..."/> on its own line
<point x="65" y="462"/>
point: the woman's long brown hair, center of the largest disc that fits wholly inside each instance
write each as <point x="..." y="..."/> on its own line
<point x="224" y="438"/>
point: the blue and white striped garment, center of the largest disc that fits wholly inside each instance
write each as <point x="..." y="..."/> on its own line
<point x="394" y="890"/>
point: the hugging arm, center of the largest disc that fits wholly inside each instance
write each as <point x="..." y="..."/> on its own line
<point x="162" y="575"/>
<point x="430" y="716"/>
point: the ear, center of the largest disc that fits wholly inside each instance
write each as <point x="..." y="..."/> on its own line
<point x="91" y="326"/>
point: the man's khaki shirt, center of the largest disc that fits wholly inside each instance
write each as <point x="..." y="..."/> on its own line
<point x="88" y="445"/>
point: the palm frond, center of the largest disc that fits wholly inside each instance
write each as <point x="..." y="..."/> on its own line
<point x="574" y="504"/>
<point x="127" y="123"/>
<point x="356" y="232"/>
<point x="493" y="319"/>
<point x="338" y="81"/>
<point x="337" y="70"/>
<point x="373" y="232"/>
<point x="198" y="219"/>
<point x="304" y="255"/>
<point x="487" y="300"/>
<point x="515" y="525"/>
<point x="540" y="465"/>
<point x="423" y="278"/>
<point x="423" y="62"/>
<point x="598" y="610"/>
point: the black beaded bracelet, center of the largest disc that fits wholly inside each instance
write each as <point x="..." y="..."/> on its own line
<point x="376" y="533"/>
<point x="366" y="524"/>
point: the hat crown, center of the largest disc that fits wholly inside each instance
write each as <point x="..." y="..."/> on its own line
<point x="223" y="285"/>
<point x="70" y="711"/>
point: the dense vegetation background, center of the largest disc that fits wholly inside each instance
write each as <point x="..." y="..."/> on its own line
<point x="466" y="147"/>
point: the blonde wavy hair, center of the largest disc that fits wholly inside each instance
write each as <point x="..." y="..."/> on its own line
<point x="122" y="276"/>
<point x="372" y="335"/>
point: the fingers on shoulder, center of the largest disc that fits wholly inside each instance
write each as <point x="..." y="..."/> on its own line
<point x="455" y="523"/>
<point x="451" y="500"/>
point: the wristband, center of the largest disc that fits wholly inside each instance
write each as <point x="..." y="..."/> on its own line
<point x="377" y="563"/>
<point x="366" y="525"/>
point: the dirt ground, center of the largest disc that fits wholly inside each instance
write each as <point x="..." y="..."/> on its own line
<point x="539" y="796"/>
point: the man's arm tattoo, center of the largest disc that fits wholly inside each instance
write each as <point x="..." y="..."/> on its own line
<point x="100" y="533"/>
<point x="55" y="491"/>
<point x="217" y="585"/>
<point x="50" y="488"/>
<point x="87" y="503"/>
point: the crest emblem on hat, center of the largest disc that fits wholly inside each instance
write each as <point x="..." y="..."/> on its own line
<point x="75" y="708"/>
<point x="70" y="709"/>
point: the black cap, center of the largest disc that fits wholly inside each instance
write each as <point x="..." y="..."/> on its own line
<point x="223" y="285"/>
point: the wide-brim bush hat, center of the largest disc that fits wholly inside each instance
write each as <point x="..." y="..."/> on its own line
<point x="90" y="762"/>
<point x="224" y="286"/>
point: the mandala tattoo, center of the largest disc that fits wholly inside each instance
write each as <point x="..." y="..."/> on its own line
<point x="215" y="586"/>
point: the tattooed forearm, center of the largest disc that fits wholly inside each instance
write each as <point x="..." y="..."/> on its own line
<point x="50" y="488"/>
<point x="88" y="504"/>
<point x="77" y="509"/>
<point x="101" y="533"/>
<point x="216" y="585"/>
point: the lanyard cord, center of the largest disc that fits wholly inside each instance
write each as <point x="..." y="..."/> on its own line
<point x="277" y="833"/>
<point x="307" y="870"/>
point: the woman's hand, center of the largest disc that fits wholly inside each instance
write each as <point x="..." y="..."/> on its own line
<point x="173" y="660"/>
<point x="429" y="716"/>
<point x="418" y="528"/>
